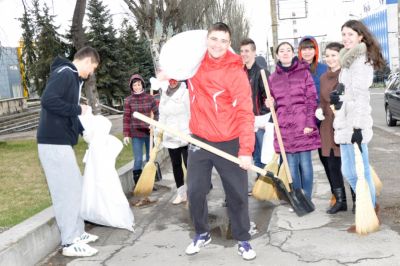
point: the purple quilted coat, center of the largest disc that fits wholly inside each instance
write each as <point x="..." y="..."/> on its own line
<point x="296" y="101"/>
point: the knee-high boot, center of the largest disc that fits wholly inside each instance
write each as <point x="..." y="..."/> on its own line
<point x="341" y="202"/>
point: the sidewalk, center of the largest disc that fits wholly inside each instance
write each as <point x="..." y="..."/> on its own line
<point x="163" y="231"/>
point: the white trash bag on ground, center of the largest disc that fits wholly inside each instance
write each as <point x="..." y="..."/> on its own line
<point x="103" y="200"/>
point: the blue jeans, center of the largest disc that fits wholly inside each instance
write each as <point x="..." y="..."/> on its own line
<point x="301" y="170"/>
<point x="349" y="167"/>
<point x="259" y="135"/>
<point x="137" y="148"/>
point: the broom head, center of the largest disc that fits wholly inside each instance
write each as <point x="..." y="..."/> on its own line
<point x="283" y="176"/>
<point x="145" y="185"/>
<point x="366" y="219"/>
<point x="377" y="181"/>
<point x="264" y="188"/>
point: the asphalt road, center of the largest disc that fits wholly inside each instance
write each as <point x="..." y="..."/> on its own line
<point x="384" y="151"/>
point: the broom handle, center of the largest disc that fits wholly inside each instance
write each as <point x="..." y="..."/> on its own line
<point x="276" y="126"/>
<point x="197" y="142"/>
<point x="151" y="130"/>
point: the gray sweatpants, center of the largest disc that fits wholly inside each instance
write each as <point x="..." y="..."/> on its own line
<point x="65" y="184"/>
<point x="234" y="180"/>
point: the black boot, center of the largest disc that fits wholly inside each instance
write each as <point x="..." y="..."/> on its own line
<point x="341" y="202"/>
<point x="136" y="175"/>
<point x="353" y="197"/>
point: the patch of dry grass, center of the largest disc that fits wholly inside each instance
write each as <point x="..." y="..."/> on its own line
<point x="23" y="189"/>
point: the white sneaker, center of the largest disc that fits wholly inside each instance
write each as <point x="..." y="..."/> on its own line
<point x="245" y="250"/>
<point x="86" y="238"/>
<point x="79" y="249"/>
<point x="181" y="195"/>
<point x="198" y="242"/>
<point x="179" y="199"/>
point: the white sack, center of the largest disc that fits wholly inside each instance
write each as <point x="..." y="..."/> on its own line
<point x="268" y="151"/>
<point x="180" y="56"/>
<point x="103" y="200"/>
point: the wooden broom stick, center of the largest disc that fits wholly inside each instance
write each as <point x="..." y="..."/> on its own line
<point x="277" y="131"/>
<point x="197" y="142"/>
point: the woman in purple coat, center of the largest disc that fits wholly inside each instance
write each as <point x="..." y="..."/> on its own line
<point x="295" y="97"/>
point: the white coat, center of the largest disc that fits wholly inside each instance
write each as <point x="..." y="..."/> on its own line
<point x="175" y="113"/>
<point x="356" y="76"/>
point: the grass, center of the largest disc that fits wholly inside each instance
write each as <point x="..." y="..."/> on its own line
<point x="23" y="190"/>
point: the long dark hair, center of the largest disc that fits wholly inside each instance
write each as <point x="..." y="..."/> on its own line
<point x="374" y="55"/>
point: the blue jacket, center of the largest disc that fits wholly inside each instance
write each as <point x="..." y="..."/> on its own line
<point x="321" y="69"/>
<point x="59" y="123"/>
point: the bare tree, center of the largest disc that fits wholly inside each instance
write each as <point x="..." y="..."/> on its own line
<point x="158" y="20"/>
<point x="79" y="40"/>
<point x="233" y="14"/>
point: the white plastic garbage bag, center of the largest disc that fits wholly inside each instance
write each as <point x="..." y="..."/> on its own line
<point x="180" y="56"/>
<point x="103" y="200"/>
<point x="268" y="151"/>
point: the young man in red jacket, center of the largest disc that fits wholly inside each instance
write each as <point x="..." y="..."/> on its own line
<point x="221" y="115"/>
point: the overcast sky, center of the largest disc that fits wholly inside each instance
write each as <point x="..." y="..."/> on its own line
<point x="324" y="18"/>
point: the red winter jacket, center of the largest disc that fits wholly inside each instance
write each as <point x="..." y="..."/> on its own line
<point x="220" y="102"/>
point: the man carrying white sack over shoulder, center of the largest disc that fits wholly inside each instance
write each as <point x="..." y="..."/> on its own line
<point x="222" y="116"/>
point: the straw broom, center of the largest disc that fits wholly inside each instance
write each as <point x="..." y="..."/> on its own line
<point x="264" y="188"/>
<point x="146" y="181"/>
<point x="366" y="219"/>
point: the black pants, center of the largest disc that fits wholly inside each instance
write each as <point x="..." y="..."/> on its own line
<point x="176" y="156"/>
<point x="234" y="181"/>
<point x="334" y="165"/>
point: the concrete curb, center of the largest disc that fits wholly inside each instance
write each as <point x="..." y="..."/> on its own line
<point x="32" y="240"/>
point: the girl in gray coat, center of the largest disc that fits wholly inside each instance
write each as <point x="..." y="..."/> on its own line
<point x="353" y="121"/>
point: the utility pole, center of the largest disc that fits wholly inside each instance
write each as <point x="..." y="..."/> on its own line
<point x="274" y="24"/>
<point x="294" y="22"/>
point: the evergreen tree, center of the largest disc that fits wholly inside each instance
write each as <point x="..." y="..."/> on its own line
<point x="28" y="50"/>
<point x="102" y="36"/>
<point x="127" y="46"/>
<point x="49" y="45"/>
<point x="135" y="53"/>
<point x="41" y="44"/>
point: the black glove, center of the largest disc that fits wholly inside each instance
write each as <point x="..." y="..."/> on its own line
<point x="357" y="137"/>
<point x="335" y="96"/>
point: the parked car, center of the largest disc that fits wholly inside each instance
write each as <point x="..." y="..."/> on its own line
<point x="392" y="100"/>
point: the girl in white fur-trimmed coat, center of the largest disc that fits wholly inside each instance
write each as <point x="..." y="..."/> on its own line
<point x="353" y="122"/>
<point x="175" y="112"/>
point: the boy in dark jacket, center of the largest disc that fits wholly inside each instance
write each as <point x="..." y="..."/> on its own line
<point x="58" y="131"/>
<point x="248" y="54"/>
